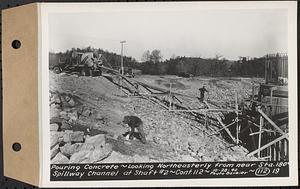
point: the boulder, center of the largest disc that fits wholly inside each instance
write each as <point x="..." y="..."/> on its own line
<point x="54" y="112"/>
<point x="72" y="102"/>
<point x="53" y="105"/>
<point x="97" y="140"/>
<point x="93" y="150"/>
<point x="73" y="116"/>
<point x="56" y="120"/>
<point x="55" y="138"/>
<point x="77" y="136"/>
<point x="82" y="156"/>
<point x="69" y="149"/>
<point x="65" y="125"/>
<point x="60" y="159"/>
<point x="54" y="127"/>
<point x="54" y="151"/>
<point x="100" y="153"/>
<point x="64" y="115"/>
<point x="70" y="136"/>
<point x="87" y="147"/>
<point x="56" y="99"/>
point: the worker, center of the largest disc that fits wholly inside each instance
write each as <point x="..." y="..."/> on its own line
<point x="202" y="91"/>
<point x="136" y="128"/>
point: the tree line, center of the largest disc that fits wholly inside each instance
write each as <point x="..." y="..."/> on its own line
<point x="153" y="64"/>
<point x="197" y="66"/>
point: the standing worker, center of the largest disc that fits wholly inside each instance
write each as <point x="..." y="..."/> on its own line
<point x="202" y="91"/>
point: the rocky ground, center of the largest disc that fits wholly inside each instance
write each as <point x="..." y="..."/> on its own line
<point x="86" y="115"/>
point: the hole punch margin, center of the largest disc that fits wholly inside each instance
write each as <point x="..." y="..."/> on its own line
<point x="16" y="146"/>
<point x="16" y="44"/>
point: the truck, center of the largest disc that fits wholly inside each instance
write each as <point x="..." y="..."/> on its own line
<point x="84" y="63"/>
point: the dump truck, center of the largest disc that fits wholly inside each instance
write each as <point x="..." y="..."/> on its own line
<point x="86" y="64"/>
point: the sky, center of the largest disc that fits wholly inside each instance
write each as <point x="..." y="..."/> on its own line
<point x="197" y="33"/>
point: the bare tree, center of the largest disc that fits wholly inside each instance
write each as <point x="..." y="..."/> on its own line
<point x="146" y="56"/>
<point x="156" y="56"/>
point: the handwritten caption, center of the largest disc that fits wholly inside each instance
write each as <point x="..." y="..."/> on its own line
<point x="73" y="172"/>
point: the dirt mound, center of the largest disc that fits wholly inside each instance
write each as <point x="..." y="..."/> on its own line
<point x="90" y="86"/>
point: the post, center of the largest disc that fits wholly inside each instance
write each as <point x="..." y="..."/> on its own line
<point x="170" y="98"/>
<point x="259" y="136"/>
<point x="266" y="69"/>
<point x="271" y="97"/>
<point x="285" y="136"/>
<point x="252" y="98"/>
<point x="271" y="122"/>
<point x="122" y="66"/>
<point x="205" y="122"/>
<point x="237" y="118"/>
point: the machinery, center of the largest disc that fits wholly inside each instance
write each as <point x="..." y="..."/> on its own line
<point x="87" y="64"/>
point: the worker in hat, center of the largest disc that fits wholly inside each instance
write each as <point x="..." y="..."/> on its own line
<point x="202" y="91"/>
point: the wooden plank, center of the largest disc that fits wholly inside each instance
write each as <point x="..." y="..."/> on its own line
<point x="252" y="138"/>
<point x="226" y="129"/>
<point x="160" y="103"/>
<point x="148" y="89"/>
<point x="153" y="94"/>
<point x="161" y="89"/>
<point x="180" y="101"/>
<point x="271" y="122"/>
<point x="285" y="136"/>
<point x="222" y="128"/>
<point x="256" y="133"/>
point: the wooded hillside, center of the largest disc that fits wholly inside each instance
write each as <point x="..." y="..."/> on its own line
<point x="181" y="66"/>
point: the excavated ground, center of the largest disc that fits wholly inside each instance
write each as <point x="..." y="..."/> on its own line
<point x="86" y="115"/>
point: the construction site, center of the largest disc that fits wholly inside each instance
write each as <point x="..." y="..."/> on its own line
<point x="238" y="119"/>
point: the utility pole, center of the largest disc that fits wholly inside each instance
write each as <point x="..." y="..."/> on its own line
<point x="122" y="66"/>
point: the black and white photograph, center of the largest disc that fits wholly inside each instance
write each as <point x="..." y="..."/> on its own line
<point x="169" y="84"/>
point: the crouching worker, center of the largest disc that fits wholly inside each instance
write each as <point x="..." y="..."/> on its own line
<point x="136" y="128"/>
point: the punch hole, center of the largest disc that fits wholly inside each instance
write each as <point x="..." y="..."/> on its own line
<point x="16" y="44"/>
<point x="16" y="146"/>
